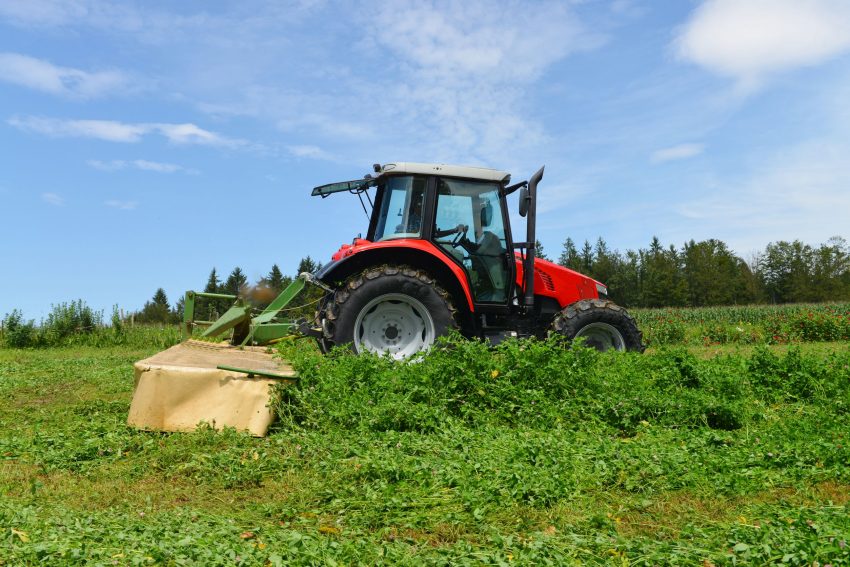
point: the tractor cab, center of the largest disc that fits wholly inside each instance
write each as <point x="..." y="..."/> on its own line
<point x="463" y="217"/>
<point x="459" y="210"/>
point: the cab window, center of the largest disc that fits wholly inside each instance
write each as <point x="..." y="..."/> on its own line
<point x="400" y="215"/>
<point x="470" y="228"/>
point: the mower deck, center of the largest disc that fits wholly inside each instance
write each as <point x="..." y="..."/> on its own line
<point x="200" y="382"/>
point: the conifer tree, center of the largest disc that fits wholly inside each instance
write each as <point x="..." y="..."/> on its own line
<point x="586" y="258"/>
<point x="569" y="255"/>
<point x="157" y="310"/>
<point x="159" y="298"/>
<point x="235" y="281"/>
<point x="308" y="265"/>
<point x="539" y="252"/>
<point x="213" y="283"/>
<point x="604" y="263"/>
<point x="275" y="279"/>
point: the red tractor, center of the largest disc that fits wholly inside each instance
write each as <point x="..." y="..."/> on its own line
<point x="439" y="255"/>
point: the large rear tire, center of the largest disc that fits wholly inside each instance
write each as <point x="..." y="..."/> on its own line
<point x="603" y="324"/>
<point x="394" y="310"/>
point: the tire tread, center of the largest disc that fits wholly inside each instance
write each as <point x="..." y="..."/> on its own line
<point x="337" y="301"/>
<point x="573" y="317"/>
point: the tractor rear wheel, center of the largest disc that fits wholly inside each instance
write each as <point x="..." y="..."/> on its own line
<point x="395" y="310"/>
<point x="602" y="324"/>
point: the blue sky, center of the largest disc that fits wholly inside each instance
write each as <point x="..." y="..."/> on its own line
<point x="144" y="143"/>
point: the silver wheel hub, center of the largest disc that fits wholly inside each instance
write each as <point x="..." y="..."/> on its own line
<point x="602" y="336"/>
<point x="394" y="324"/>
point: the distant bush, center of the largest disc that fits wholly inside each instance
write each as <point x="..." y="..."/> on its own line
<point x="66" y="319"/>
<point x="17" y="332"/>
<point x="77" y="324"/>
<point x="820" y="326"/>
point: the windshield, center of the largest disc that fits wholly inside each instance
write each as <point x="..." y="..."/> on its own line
<point x="401" y="208"/>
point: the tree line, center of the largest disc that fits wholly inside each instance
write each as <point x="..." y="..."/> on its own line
<point x="698" y="274"/>
<point x="709" y="273"/>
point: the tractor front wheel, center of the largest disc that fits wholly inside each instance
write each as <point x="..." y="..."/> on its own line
<point x="602" y="324"/>
<point x="393" y="310"/>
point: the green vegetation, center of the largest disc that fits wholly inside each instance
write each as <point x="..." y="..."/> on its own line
<point x="529" y="453"/>
<point x="709" y="273"/>
<point x="749" y="324"/>
<point x="77" y="324"/>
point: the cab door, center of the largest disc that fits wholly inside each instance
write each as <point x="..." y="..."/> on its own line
<point x="479" y="239"/>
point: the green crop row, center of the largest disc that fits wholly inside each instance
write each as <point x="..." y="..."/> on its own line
<point x="759" y="324"/>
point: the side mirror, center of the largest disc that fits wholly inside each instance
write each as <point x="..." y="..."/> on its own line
<point x="486" y="216"/>
<point x="524" y="201"/>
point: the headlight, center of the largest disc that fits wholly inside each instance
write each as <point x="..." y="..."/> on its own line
<point x="601" y="289"/>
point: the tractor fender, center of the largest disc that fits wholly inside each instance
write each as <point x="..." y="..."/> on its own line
<point x="352" y="259"/>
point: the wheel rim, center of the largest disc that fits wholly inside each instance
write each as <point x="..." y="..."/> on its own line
<point x="602" y="337"/>
<point x="395" y="324"/>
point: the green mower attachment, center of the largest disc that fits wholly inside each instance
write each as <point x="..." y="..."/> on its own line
<point x="248" y="328"/>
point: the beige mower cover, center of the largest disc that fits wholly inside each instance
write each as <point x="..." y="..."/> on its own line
<point x="179" y="388"/>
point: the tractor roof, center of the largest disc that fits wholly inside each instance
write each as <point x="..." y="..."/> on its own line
<point x="465" y="171"/>
<point x="409" y="167"/>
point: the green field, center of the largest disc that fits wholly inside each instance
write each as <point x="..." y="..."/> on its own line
<point x="531" y="453"/>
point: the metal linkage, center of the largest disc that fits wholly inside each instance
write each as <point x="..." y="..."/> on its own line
<point x="249" y="328"/>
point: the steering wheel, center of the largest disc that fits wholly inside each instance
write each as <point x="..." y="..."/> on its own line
<point x="460" y="235"/>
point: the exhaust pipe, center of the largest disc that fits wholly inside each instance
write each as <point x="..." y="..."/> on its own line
<point x="530" y="235"/>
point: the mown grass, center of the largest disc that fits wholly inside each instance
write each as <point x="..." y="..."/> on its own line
<point x="530" y="453"/>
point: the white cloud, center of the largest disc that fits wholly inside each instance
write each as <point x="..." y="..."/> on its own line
<point x="458" y="87"/>
<point x="161" y="167"/>
<point x="52" y="199"/>
<point x="307" y="151"/>
<point x="437" y="81"/>
<point x="113" y="131"/>
<point x="108" y="130"/>
<point x="751" y="39"/>
<point x="191" y="134"/>
<point x="463" y="75"/>
<point x="113" y="165"/>
<point x="122" y="205"/>
<point x="42" y="12"/>
<point x="65" y="81"/>
<point x="680" y="151"/>
<point x="452" y="40"/>
<point x="146" y="165"/>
